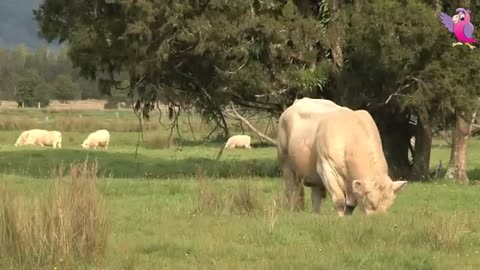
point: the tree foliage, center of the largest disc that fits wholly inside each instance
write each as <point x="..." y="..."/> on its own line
<point x="31" y="90"/>
<point x="258" y="54"/>
<point x="391" y="57"/>
<point x="54" y="68"/>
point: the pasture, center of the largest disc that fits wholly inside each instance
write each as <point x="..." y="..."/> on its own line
<point x="176" y="207"/>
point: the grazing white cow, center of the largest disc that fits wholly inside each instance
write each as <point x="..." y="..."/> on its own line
<point x="334" y="149"/>
<point x="40" y="137"/>
<point x="237" y="141"/>
<point x="23" y="137"/>
<point x="99" y="138"/>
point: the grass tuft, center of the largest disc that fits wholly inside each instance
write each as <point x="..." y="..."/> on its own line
<point x="64" y="228"/>
<point x="209" y="200"/>
<point x="156" y="140"/>
<point x="245" y="199"/>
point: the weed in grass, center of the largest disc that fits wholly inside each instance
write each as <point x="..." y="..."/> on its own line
<point x="446" y="232"/>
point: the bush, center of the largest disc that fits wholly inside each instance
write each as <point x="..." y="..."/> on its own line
<point x="31" y="90"/>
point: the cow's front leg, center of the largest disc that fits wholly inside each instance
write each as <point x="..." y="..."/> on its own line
<point x="339" y="203"/>
<point x="331" y="180"/>
<point x="350" y="204"/>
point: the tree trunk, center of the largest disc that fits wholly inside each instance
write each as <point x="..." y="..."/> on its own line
<point x="335" y="34"/>
<point x="395" y="148"/>
<point x="457" y="167"/>
<point x="422" y="149"/>
<point x="395" y="132"/>
<point x="357" y="4"/>
<point x="438" y="6"/>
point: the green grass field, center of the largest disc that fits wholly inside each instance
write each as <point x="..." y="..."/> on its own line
<point x="177" y="208"/>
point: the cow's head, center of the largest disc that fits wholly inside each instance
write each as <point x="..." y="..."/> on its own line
<point x="85" y="144"/>
<point x="376" y="194"/>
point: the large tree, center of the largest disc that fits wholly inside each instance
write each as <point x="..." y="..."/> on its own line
<point x="389" y="46"/>
<point x="258" y="54"/>
<point x="377" y="55"/>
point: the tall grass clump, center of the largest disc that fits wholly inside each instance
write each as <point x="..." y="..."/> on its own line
<point x="245" y="199"/>
<point x="63" y="228"/>
<point x="17" y="123"/>
<point x="209" y="200"/>
<point x="156" y="140"/>
<point x="242" y="199"/>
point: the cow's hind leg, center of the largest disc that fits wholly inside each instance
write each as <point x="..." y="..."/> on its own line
<point x="318" y="194"/>
<point x="294" y="190"/>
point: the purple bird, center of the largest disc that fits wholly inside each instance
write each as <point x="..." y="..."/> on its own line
<point x="461" y="26"/>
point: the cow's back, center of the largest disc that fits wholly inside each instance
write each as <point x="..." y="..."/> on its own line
<point x="35" y="136"/>
<point x="350" y="141"/>
<point x="296" y="136"/>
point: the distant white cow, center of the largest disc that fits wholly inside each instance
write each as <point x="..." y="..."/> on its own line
<point x="237" y="141"/>
<point x="99" y="138"/>
<point x="23" y="137"/>
<point x="40" y="137"/>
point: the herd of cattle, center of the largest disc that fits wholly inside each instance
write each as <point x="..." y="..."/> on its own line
<point x="321" y="145"/>
<point x="42" y="137"/>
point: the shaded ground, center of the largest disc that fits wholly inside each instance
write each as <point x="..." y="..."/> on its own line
<point x="121" y="163"/>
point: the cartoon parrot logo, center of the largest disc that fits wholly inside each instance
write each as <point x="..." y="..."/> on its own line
<point x="461" y="26"/>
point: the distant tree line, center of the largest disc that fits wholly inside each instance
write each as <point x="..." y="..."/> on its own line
<point x="37" y="76"/>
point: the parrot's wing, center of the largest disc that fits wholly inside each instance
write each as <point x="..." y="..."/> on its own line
<point x="468" y="30"/>
<point x="447" y="21"/>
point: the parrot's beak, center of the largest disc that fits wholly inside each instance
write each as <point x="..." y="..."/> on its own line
<point x="455" y="19"/>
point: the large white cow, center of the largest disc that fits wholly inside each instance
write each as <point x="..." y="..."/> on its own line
<point x="40" y="137"/>
<point x="334" y="149"/>
<point x="99" y="138"/>
<point x="237" y="141"/>
<point x="24" y="136"/>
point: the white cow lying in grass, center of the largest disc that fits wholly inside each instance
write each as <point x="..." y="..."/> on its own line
<point x="40" y="137"/>
<point x="99" y="138"/>
<point x="237" y="141"/>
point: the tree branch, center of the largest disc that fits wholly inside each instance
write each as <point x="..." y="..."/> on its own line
<point x="246" y="122"/>
<point x="217" y="69"/>
<point x="272" y="94"/>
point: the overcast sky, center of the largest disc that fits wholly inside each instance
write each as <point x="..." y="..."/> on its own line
<point x="17" y="24"/>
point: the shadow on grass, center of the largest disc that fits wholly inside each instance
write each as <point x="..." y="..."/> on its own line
<point x="34" y="163"/>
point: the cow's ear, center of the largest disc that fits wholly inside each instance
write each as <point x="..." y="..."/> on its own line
<point x="358" y="186"/>
<point x="398" y="186"/>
